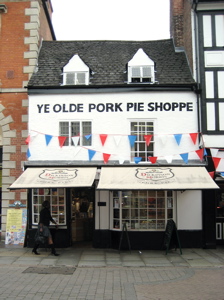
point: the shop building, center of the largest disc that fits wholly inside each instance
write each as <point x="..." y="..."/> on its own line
<point x="198" y="26"/>
<point x="114" y="139"/>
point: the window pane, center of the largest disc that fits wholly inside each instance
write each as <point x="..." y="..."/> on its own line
<point x="75" y="128"/>
<point x="86" y="131"/>
<point x="146" y="71"/>
<point x="75" y="131"/>
<point x="80" y="78"/>
<point x="64" y="131"/>
<point x="70" y="78"/>
<point x="136" y="72"/>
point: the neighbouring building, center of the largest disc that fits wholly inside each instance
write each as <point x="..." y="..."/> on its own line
<point x="198" y="26"/>
<point x="114" y="142"/>
<point x="23" y="26"/>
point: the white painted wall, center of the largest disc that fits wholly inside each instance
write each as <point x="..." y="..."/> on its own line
<point x="44" y="121"/>
<point x="102" y="213"/>
<point x="189" y="210"/>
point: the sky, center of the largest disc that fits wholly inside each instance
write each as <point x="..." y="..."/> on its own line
<point x="111" y="19"/>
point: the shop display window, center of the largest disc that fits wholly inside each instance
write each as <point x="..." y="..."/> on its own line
<point x="56" y="197"/>
<point x="142" y="210"/>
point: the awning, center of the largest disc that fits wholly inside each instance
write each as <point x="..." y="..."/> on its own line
<point x="55" y="178"/>
<point x="155" y="178"/>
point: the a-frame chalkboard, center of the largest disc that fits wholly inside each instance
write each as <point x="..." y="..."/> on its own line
<point x="171" y="236"/>
<point x="124" y="229"/>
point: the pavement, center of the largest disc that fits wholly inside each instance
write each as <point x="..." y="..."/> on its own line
<point x="107" y="274"/>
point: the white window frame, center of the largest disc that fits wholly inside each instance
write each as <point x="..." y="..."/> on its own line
<point x="142" y="78"/>
<point x="83" y="141"/>
<point x="133" y="217"/>
<point x="136" y="150"/>
<point x="57" y="200"/>
<point x="75" y="80"/>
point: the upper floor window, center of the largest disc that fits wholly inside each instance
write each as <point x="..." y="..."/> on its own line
<point x="81" y="129"/>
<point x="140" y="147"/>
<point x="141" y="68"/>
<point x="76" y="72"/>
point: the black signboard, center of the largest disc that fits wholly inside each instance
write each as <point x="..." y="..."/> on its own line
<point x="171" y="237"/>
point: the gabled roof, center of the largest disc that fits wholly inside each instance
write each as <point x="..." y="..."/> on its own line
<point x="108" y="62"/>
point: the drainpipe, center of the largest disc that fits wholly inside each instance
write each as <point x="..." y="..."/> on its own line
<point x="49" y="19"/>
<point x="198" y="89"/>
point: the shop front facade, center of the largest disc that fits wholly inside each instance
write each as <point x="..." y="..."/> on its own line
<point x="95" y="188"/>
<point x="108" y="155"/>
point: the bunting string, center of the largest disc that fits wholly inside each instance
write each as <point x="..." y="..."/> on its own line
<point x="195" y="137"/>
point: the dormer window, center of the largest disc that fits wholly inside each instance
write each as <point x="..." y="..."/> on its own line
<point x="141" y="68"/>
<point x="76" y="72"/>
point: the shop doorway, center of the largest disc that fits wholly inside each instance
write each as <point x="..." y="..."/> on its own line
<point x="82" y="216"/>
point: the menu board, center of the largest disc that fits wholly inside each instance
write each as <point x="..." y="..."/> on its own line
<point x="16" y="226"/>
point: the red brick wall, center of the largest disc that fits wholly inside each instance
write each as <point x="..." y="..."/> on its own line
<point x="12" y="45"/>
<point x="181" y="25"/>
<point x="44" y="29"/>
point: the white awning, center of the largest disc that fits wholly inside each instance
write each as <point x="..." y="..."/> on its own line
<point x="55" y="178"/>
<point x="155" y="178"/>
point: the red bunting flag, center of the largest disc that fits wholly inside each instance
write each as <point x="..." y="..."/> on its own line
<point x="200" y="153"/>
<point x="148" y="139"/>
<point x="62" y="140"/>
<point x="194" y="137"/>
<point x="216" y="161"/>
<point x="106" y="157"/>
<point x="27" y="141"/>
<point x="152" y="159"/>
<point x="103" y="138"/>
<point x="212" y="174"/>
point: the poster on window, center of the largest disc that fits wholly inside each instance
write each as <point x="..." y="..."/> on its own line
<point x="16" y="226"/>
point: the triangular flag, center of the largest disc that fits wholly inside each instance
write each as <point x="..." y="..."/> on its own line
<point x="194" y="137"/>
<point x="169" y="159"/>
<point x="147" y="139"/>
<point x="88" y="136"/>
<point x="212" y="174"/>
<point x="62" y="140"/>
<point x="121" y="160"/>
<point x="27" y="140"/>
<point x="117" y="139"/>
<point x="216" y="161"/>
<point x="163" y="139"/>
<point x="132" y="139"/>
<point x="152" y="159"/>
<point x="75" y="140"/>
<point x="184" y="157"/>
<point x="205" y="152"/>
<point x="106" y="157"/>
<point x="28" y="154"/>
<point x="91" y="153"/>
<point x="214" y="152"/>
<point x="178" y="138"/>
<point x="200" y="153"/>
<point x="137" y="159"/>
<point x="76" y="151"/>
<point x="48" y="138"/>
<point x="103" y="138"/>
